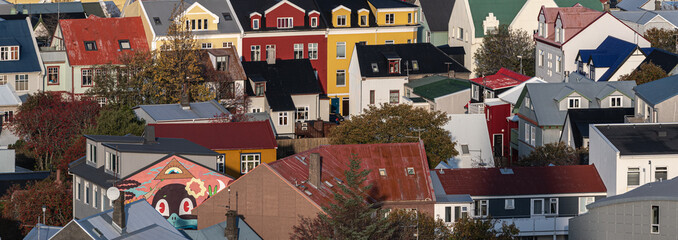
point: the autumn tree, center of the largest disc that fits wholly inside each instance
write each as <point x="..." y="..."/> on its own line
<point x="117" y="121"/>
<point x="409" y="224"/>
<point x="647" y="72"/>
<point x="398" y="123"/>
<point x="127" y="84"/>
<point x="483" y="229"/>
<point x="229" y="93"/>
<point x="501" y="48"/>
<point x="48" y="123"/>
<point x="662" y="38"/>
<point x="23" y="206"/>
<point x="554" y="153"/>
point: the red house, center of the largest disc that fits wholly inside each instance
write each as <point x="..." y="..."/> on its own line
<point x="283" y="30"/>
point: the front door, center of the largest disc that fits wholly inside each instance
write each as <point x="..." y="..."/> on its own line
<point x="498" y="145"/>
<point x="344" y="107"/>
<point x="334" y="105"/>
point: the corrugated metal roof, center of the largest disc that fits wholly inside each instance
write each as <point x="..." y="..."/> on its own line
<point x="106" y="32"/>
<point x="163" y="145"/>
<point x="171" y="112"/>
<point x="611" y="53"/>
<point x="18" y="32"/>
<point x="511" y="96"/>
<point x="162" y="9"/>
<point x="574" y="18"/>
<point x="41" y="231"/>
<point x="222" y="136"/>
<point x="502" y="79"/>
<point x="394" y="158"/>
<point x="658" y="90"/>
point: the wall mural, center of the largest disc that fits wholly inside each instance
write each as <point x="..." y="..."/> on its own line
<point x="174" y="186"/>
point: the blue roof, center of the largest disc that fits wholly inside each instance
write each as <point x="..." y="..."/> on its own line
<point x="18" y="32"/>
<point x="631" y="5"/>
<point x="611" y="53"/>
<point x="198" y="110"/>
<point x="216" y="231"/>
<point x="658" y="90"/>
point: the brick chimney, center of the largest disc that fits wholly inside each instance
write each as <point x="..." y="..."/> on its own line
<point x="149" y="134"/>
<point x="314" y="170"/>
<point x="231" y="230"/>
<point x="119" y="216"/>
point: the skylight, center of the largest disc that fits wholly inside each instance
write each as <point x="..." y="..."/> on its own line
<point x="375" y="68"/>
<point x="157" y="20"/>
<point x="227" y="16"/>
<point x="90" y="45"/>
<point x="124" y="45"/>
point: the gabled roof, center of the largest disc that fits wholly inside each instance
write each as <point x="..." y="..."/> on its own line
<point x="394" y="158"/>
<point x="284" y="79"/>
<point x="504" y="78"/>
<point x="216" y="231"/>
<point x="430" y="59"/>
<point x="326" y="7"/>
<point x="18" y="32"/>
<point x="243" y="9"/>
<point x="653" y="191"/>
<point x="545" y="97"/>
<point x="522" y="181"/>
<point x="658" y="90"/>
<point x="391" y="4"/>
<point x="662" y="58"/>
<point x="8" y="96"/>
<point x="642" y="139"/>
<point x="162" y="9"/>
<point x="106" y="32"/>
<point x="162" y="145"/>
<point x="574" y="19"/>
<point x="643" y="16"/>
<point x="581" y="118"/>
<point x="41" y="231"/>
<point x="612" y="53"/>
<point x="511" y="96"/>
<point x="222" y="136"/>
<point x="437" y="86"/>
<point x="505" y="11"/>
<point x="470" y="130"/>
<point x="437" y="13"/>
<point x="633" y="5"/>
<point x="173" y="112"/>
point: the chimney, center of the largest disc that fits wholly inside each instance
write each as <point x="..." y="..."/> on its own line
<point x="58" y="176"/>
<point x="119" y="213"/>
<point x="657" y="5"/>
<point x="606" y="6"/>
<point x="231" y="231"/>
<point x="149" y="134"/>
<point x="314" y="170"/>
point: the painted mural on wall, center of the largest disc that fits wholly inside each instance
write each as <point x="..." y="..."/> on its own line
<point x="174" y="186"/>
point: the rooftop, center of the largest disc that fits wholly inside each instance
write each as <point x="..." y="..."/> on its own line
<point x="222" y="136"/>
<point x="174" y="112"/>
<point x="18" y="33"/>
<point x="283" y="79"/>
<point x="427" y="58"/>
<point x="8" y="96"/>
<point x="642" y="139"/>
<point x="437" y="86"/>
<point x="659" y="90"/>
<point x="654" y="191"/>
<point x="504" y="78"/>
<point x="243" y="10"/>
<point x="216" y="231"/>
<point x="437" y="13"/>
<point x="667" y="61"/>
<point x="581" y="118"/>
<point x="512" y="95"/>
<point x="574" y="19"/>
<point x="162" y="9"/>
<point x="610" y="54"/>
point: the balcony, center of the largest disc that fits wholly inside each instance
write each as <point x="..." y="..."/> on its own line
<point x="634" y="119"/>
<point x="476" y="108"/>
<point x="538" y="225"/>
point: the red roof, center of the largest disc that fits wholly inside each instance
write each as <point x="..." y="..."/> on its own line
<point x="502" y="79"/>
<point x="395" y="158"/>
<point x="574" y="19"/>
<point x="221" y="136"/>
<point x="523" y="181"/>
<point x="106" y="32"/>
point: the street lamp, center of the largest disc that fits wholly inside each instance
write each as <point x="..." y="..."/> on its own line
<point x="521" y="64"/>
<point x="44" y="209"/>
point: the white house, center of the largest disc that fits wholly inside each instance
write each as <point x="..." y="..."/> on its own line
<point x="470" y="133"/>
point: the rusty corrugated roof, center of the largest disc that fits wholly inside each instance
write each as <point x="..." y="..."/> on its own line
<point x="502" y="79"/>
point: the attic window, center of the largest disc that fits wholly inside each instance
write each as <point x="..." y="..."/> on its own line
<point x="394" y="66"/>
<point x="227" y="16"/>
<point x="124" y="44"/>
<point x="9" y="53"/>
<point x="382" y="172"/>
<point x="375" y="68"/>
<point x="90" y="45"/>
<point x="157" y="21"/>
<point x="410" y="171"/>
<point x="415" y="65"/>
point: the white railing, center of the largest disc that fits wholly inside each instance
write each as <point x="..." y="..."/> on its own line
<point x="538" y="225"/>
<point x="476" y="108"/>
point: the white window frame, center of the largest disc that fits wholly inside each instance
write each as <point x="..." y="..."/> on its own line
<point x="573" y="102"/>
<point x="664" y="169"/>
<point x="541" y="58"/>
<point x="21" y="82"/>
<point x="313" y="51"/>
<point x="533" y="135"/>
<point x="78" y="186"/>
<point x="628" y="172"/>
<point x="112" y="163"/>
<point x="87" y="77"/>
<point x="364" y="17"/>
<point x="255" y="49"/>
<point x="87" y="199"/>
<point x="559" y="64"/>
<point x="221" y="163"/>
<point x="475" y="91"/>
<point x="95" y="196"/>
<point x="532" y="204"/>
<point x="341" y="20"/>
<point x="482" y="203"/>
<point x="409" y="18"/>
<point x="206" y="45"/>
<point x="390" y="20"/>
<point x="341" y="71"/>
<point x="551" y="202"/>
<point x="3" y="79"/>
<point x="527" y="133"/>
<point x="283" y="119"/>
<point x="227" y="45"/>
<point x="341" y="54"/>
<point x="285" y="22"/>
<point x="314" y="21"/>
<point x="301" y="110"/>
<point x="243" y="160"/>
<point x="583" y="201"/>
<point x="255" y="24"/>
<point x="654" y="225"/>
<point x="9" y="53"/>
<point x="298" y="48"/>
<point x="618" y="100"/>
<point x="509" y="204"/>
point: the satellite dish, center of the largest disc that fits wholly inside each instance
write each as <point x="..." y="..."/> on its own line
<point x="113" y="193"/>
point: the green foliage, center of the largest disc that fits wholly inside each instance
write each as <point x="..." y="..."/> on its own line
<point x="399" y="123"/>
<point x="409" y="224"/>
<point x="117" y="120"/>
<point x="483" y="229"/>
<point x="124" y="84"/>
<point x="662" y="38"/>
<point x="501" y="48"/>
<point x="554" y="153"/>
<point x="647" y="72"/>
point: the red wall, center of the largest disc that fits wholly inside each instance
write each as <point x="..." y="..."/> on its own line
<point x="498" y="124"/>
<point x="285" y="10"/>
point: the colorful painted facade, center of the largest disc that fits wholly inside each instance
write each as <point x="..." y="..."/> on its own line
<point x="174" y="186"/>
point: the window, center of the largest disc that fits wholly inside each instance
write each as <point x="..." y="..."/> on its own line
<point x="654" y="226"/>
<point x="3" y="79"/>
<point x="124" y="44"/>
<point x="553" y="206"/>
<point x="255" y="53"/>
<point x="464" y="149"/>
<point x="583" y="201"/>
<point x="313" y="51"/>
<point x="206" y="45"/>
<point x="87" y="76"/>
<point x="661" y="174"/>
<point x="633" y="177"/>
<point x="541" y="58"/>
<point x="558" y="35"/>
<point x="8" y="116"/>
<point x="192" y="24"/>
<point x="394" y="66"/>
<point x="533" y="133"/>
<point x="285" y="22"/>
<point x="199" y="24"/>
<point x="390" y="18"/>
<point x="460" y="212"/>
<point x="53" y="75"/>
<point x="282" y="118"/>
<point x="371" y="96"/>
<point x="222" y="63"/>
<point x="204" y="26"/>
<point x="21" y="82"/>
<point x="92" y="156"/>
<point x="249" y="162"/>
<point x="410" y="171"/>
<point x="592" y="73"/>
<point x="509" y="204"/>
<point x="481" y="208"/>
<point x="90" y="45"/>
<point x="415" y="65"/>
<point x="375" y="67"/>
<point x="540" y="29"/>
<point x="559" y="64"/>
<point x="298" y="50"/>
<point x="389" y="42"/>
<point x="460" y="34"/>
<point x="527" y="133"/>
<point x="573" y="103"/>
<point x="341" y="77"/>
<point x="448" y="214"/>
<point x="302" y="113"/>
<point x="227" y="16"/>
<point x="527" y="103"/>
<point x="394" y="96"/>
<point x="255" y="24"/>
<point x="101" y="101"/>
<point x="87" y="193"/>
<point x="270" y="52"/>
<point x="221" y="163"/>
<point x="363" y="20"/>
<point x="96" y="197"/>
<point x="537" y="206"/>
<point x="341" y="20"/>
<point x="314" y="22"/>
<point x="475" y="91"/>
<point x="157" y="21"/>
<point x="112" y="163"/>
<point x="227" y="45"/>
<point x="259" y="89"/>
<point x="341" y="49"/>
<point x="409" y="17"/>
<point x="615" y="101"/>
<point x="9" y="53"/>
<point x="79" y="189"/>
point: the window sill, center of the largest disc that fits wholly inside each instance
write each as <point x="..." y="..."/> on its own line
<point x="341" y="57"/>
<point x="52" y="84"/>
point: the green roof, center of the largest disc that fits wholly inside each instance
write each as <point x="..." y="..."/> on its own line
<point x="505" y="11"/>
<point x="440" y="88"/>
<point x="592" y="4"/>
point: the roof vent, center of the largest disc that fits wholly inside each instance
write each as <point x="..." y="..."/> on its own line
<point x="157" y="21"/>
<point x="338" y="180"/>
<point x="308" y="193"/>
<point x="662" y="133"/>
<point x="329" y="184"/>
<point x="506" y="171"/>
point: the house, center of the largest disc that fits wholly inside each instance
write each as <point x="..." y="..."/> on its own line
<point x="541" y="108"/>
<point x="174" y="185"/>
<point x="288" y="90"/>
<point x="233" y="228"/>
<point x="110" y="158"/>
<point x="360" y="22"/>
<point x="667" y="61"/>
<point x="378" y="73"/>
<point x="242" y="145"/>
<point x="471" y="20"/>
<point x="41" y="231"/>
<point x="654" y="101"/>
<point x="611" y="59"/>
<point x="212" y="22"/>
<point x="438" y="93"/>
<point x="89" y="43"/>
<point x="646" y="212"/>
<point x="491" y="86"/>
<point x="643" y="20"/>
<point x="631" y="155"/>
<point x="538" y="200"/>
<point x="470" y="134"/>
<point x="576" y="128"/>
<point x="636" y="5"/>
<point x="195" y="112"/>
<point x="9" y="103"/>
<point x="434" y="20"/>
<point x="226" y="61"/>
<point x="20" y="62"/>
<point x="278" y="193"/>
<point x="135" y="220"/>
<point x="564" y="31"/>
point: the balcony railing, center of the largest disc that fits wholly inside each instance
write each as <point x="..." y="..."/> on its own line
<point x="476" y="108"/>
<point x="538" y="225"/>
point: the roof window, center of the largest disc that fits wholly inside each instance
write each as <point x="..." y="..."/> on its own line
<point x="124" y="44"/>
<point x="157" y="21"/>
<point x="415" y="65"/>
<point x="227" y="16"/>
<point x="382" y="172"/>
<point x="410" y="171"/>
<point x="90" y="45"/>
<point x="375" y="68"/>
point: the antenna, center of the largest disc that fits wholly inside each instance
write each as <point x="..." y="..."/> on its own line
<point x="113" y="193"/>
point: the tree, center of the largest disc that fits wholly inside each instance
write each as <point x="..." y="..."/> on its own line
<point x="126" y="84"/>
<point x="662" y="38"/>
<point x="481" y="229"/>
<point x="409" y="224"/>
<point x="49" y="123"/>
<point x="647" y="72"/>
<point x="24" y="205"/>
<point x="398" y="123"/>
<point x="554" y="153"/>
<point x="117" y="121"/>
<point x="501" y="48"/>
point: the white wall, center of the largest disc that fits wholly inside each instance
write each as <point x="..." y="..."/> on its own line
<point x="527" y="16"/>
<point x="604" y="156"/>
<point x="453" y="103"/>
<point x="7" y="160"/>
<point x="627" y="67"/>
<point x="461" y="18"/>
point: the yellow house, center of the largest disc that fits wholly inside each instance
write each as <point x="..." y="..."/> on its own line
<point x="211" y="21"/>
<point x="362" y="22"/>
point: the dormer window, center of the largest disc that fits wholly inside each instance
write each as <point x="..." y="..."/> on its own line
<point x="540" y="29"/>
<point x="558" y="37"/>
<point x="255" y="24"/>
<point x="90" y="45"/>
<point x="285" y="22"/>
<point x="363" y="20"/>
<point x="341" y="20"/>
<point x="574" y="102"/>
<point x="394" y="66"/>
<point x="259" y="88"/>
<point x="9" y="53"/>
<point x="124" y="45"/>
<point x="314" y="22"/>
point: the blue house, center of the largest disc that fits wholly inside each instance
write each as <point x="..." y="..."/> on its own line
<point x="20" y="62"/>
<point x="613" y="57"/>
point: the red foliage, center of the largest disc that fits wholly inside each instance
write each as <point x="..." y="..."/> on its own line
<point x="74" y="152"/>
<point x="25" y="204"/>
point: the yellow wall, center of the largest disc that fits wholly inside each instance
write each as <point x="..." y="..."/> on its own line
<point x="232" y="159"/>
<point x="199" y="13"/>
<point x="217" y="42"/>
<point x="339" y="12"/>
